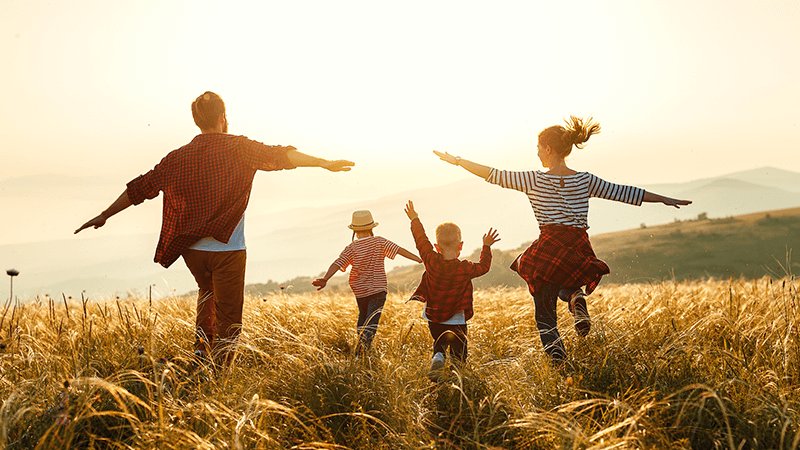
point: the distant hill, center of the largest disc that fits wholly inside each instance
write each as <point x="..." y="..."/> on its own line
<point x="750" y="246"/>
<point x="315" y="236"/>
<point x="747" y="246"/>
<point x="770" y="177"/>
<point x="303" y="241"/>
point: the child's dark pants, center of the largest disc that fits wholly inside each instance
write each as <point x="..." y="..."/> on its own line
<point x="454" y="336"/>
<point x="545" y="300"/>
<point x="369" y="314"/>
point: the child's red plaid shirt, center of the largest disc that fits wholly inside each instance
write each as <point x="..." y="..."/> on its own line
<point x="446" y="285"/>
<point x="206" y="186"/>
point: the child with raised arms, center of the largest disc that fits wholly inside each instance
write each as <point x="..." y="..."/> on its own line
<point x="561" y="262"/>
<point x="446" y="286"/>
<point x="366" y="254"/>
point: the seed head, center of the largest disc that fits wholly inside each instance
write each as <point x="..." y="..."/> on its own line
<point x="12" y="272"/>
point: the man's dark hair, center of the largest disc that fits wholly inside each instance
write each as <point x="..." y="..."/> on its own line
<point x="207" y="109"/>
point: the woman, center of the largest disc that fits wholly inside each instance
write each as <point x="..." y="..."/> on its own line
<point x="561" y="263"/>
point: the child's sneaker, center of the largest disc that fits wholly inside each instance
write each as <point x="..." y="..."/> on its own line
<point x="437" y="364"/>
<point x="578" y="308"/>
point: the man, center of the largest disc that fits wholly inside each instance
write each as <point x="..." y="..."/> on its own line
<point x="206" y="185"/>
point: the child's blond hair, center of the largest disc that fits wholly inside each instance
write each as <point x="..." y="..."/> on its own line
<point x="448" y="235"/>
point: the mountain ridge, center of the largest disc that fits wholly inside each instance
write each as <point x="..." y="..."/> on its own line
<point x="304" y="241"/>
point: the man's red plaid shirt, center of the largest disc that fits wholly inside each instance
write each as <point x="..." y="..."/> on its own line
<point x="206" y="186"/>
<point x="446" y="285"/>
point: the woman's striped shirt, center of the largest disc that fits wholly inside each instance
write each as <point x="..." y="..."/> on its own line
<point x="368" y="275"/>
<point x="568" y="204"/>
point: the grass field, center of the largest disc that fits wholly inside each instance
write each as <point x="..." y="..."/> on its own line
<point x="713" y="364"/>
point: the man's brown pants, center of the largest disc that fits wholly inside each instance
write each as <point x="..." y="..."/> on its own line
<point x="220" y="279"/>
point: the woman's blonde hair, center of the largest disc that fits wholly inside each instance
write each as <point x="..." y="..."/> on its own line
<point x="561" y="138"/>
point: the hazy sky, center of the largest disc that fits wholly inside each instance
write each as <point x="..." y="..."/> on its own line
<point x="683" y="89"/>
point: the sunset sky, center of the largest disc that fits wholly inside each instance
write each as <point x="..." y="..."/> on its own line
<point x="683" y="89"/>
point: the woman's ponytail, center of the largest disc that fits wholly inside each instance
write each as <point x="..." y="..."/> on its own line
<point x="576" y="132"/>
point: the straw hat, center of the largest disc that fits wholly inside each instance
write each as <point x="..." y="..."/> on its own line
<point x="362" y="221"/>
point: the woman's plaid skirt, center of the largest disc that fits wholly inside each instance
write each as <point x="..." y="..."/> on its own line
<point x="562" y="256"/>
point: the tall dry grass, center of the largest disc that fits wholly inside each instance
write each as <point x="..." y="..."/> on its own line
<point x="673" y="365"/>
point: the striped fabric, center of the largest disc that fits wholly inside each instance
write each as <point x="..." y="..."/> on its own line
<point x="368" y="275"/>
<point x="568" y="203"/>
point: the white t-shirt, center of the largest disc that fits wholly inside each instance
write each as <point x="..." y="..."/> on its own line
<point x="456" y="319"/>
<point x="236" y="242"/>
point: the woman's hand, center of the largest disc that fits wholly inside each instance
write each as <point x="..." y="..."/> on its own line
<point x="676" y="202"/>
<point x="447" y="157"/>
<point x="320" y="283"/>
<point x="471" y="166"/>
<point x="652" y="197"/>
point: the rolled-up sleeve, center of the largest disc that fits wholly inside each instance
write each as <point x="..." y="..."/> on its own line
<point x="147" y="186"/>
<point x="390" y="249"/>
<point x="345" y="259"/>
<point x="265" y="157"/>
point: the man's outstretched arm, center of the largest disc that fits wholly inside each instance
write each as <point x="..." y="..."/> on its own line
<point x="299" y="159"/>
<point x="122" y="202"/>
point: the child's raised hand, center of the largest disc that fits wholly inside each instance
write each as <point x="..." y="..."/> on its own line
<point x="491" y="237"/>
<point x="320" y="283"/>
<point x="410" y="212"/>
<point x="446" y="157"/>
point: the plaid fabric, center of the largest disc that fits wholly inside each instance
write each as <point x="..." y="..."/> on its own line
<point x="562" y="256"/>
<point x="446" y="285"/>
<point x="206" y="186"/>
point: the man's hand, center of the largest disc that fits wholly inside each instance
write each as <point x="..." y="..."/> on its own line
<point x="97" y="222"/>
<point x="340" y="165"/>
<point x="320" y="283"/>
<point x="490" y="237"/>
<point x="410" y="211"/>
<point x="447" y="157"/>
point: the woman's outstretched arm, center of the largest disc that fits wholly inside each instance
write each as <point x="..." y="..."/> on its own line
<point x="473" y="167"/>
<point x="652" y="197"/>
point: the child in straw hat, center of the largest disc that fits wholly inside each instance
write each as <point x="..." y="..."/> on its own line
<point x="368" y="276"/>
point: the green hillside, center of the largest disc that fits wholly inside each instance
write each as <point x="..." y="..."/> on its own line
<point x="748" y="246"/>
